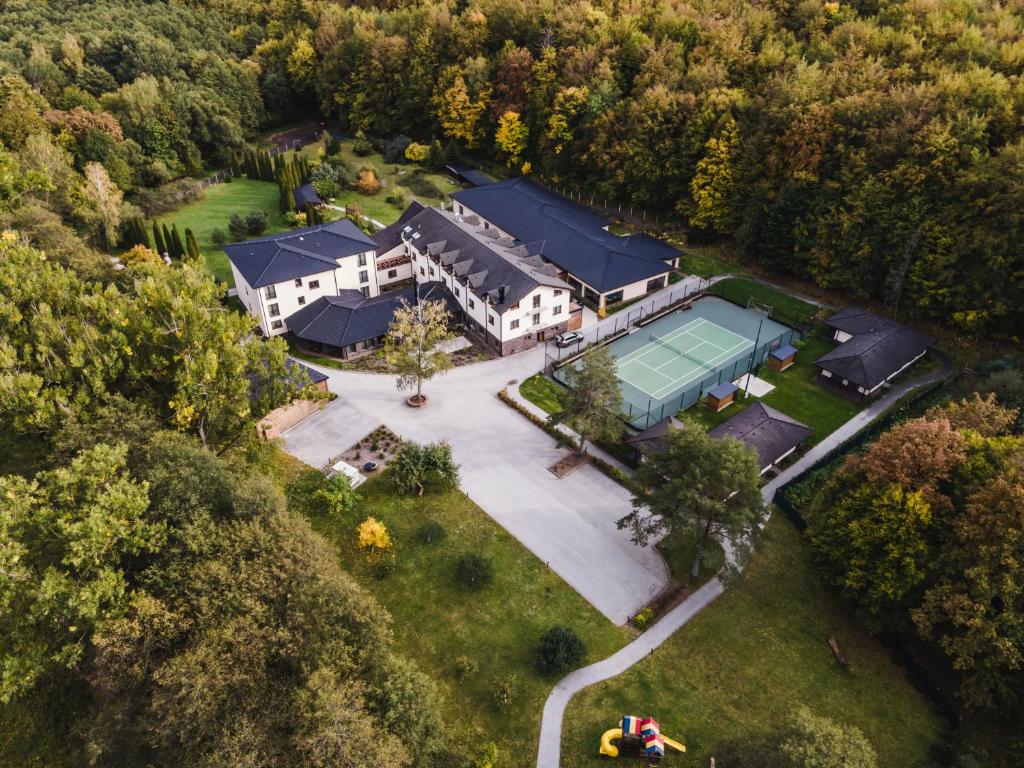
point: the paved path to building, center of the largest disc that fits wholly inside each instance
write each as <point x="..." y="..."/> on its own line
<point x="549" y="748"/>
<point x="569" y="523"/>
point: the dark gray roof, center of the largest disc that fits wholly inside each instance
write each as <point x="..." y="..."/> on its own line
<point x="297" y="252"/>
<point x="877" y="349"/>
<point x="655" y="438"/>
<point x="469" y="175"/>
<point x="306" y="194"/>
<point x="391" y="235"/>
<point x="769" y="432"/>
<point x="493" y="272"/>
<point x="350" y="317"/>
<point x="724" y="389"/>
<point x="567" y="234"/>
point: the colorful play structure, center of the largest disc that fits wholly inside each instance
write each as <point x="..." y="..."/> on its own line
<point x="638" y="738"/>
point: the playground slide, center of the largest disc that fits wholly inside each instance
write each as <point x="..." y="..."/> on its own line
<point x="673" y="744"/>
<point x="607" y="748"/>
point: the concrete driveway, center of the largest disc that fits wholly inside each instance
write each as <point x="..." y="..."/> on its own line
<point x="569" y="524"/>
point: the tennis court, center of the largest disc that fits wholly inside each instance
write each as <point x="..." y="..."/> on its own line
<point x="666" y="365"/>
<point x="680" y="357"/>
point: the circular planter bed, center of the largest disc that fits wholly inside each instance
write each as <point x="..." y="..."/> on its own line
<point x="416" y="401"/>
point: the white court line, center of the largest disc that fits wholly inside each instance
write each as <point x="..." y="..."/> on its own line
<point x="683" y="383"/>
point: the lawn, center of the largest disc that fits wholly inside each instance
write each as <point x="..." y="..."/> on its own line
<point x="796" y="394"/>
<point x="437" y="620"/>
<point x="213" y="211"/>
<point x="756" y="654"/>
<point x="785" y="308"/>
<point x="394" y="178"/>
<point x="542" y="392"/>
<point x="705" y="261"/>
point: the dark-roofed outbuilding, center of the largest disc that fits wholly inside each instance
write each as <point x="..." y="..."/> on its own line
<point x="468" y="175"/>
<point x="771" y="433"/>
<point x="305" y="195"/>
<point x="872" y="350"/>
<point x="349" y="323"/>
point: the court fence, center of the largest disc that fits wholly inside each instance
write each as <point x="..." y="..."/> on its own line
<point x="621" y="322"/>
<point x="642" y="413"/>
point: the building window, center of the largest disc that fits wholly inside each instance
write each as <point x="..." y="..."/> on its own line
<point x="558" y="291"/>
<point x="274" y="311"/>
<point x="314" y="284"/>
<point x="613" y="297"/>
<point x="487" y="225"/>
<point x="471" y="304"/>
<point x="298" y="282"/>
<point x="514" y="324"/>
<point x="392" y="273"/>
<point x="362" y="259"/>
<point x="461" y="210"/>
<point x="366" y="291"/>
<point x="457" y="292"/>
<point x="536" y="301"/>
<point x="270" y="292"/>
<point x="557" y="310"/>
<point x="536" y="319"/>
<point x="490" y="319"/>
<point x="432" y="273"/>
<point x="276" y="325"/>
<point x="422" y="272"/>
<point x="364" y="276"/>
<point x="656" y="283"/>
<point x="302" y="300"/>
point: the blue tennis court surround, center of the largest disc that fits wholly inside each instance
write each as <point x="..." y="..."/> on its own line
<point x="667" y="365"/>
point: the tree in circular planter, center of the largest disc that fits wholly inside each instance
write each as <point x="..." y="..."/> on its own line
<point x="473" y="570"/>
<point x="412" y="346"/>
<point x="559" y="650"/>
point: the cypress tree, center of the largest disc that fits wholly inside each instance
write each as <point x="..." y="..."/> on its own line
<point x="191" y="246"/>
<point x="313" y="215"/>
<point x="168" y="241"/>
<point x="158" y="240"/>
<point x="178" y="247"/>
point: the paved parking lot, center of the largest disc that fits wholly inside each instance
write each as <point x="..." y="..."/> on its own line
<point x="567" y="523"/>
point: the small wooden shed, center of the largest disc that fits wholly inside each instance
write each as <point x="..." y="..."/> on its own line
<point x="721" y="396"/>
<point x="782" y="358"/>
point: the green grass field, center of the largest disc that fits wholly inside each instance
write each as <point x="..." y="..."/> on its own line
<point x="214" y="210"/>
<point x="757" y="653"/>
<point x="786" y="308"/>
<point x="437" y="620"/>
<point x="706" y="261"/>
<point x="796" y="394"/>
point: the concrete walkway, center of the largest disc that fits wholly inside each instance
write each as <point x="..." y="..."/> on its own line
<point x="549" y="748"/>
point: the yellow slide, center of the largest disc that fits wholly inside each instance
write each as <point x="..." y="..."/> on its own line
<point x="607" y="748"/>
<point x="673" y="744"/>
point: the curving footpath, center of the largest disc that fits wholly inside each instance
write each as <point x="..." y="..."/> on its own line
<point x="549" y="748"/>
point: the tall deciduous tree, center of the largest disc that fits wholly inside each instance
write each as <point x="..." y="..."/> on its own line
<point x="458" y="111"/>
<point x="710" y="487"/>
<point x="65" y="540"/>
<point x="592" y="399"/>
<point x="714" y="180"/>
<point x="106" y="203"/>
<point x="511" y="136"/>
<point x="413" y="344"/>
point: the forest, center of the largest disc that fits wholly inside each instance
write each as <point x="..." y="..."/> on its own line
<point x="874" y="149"/>
<point x="162" y="603"/>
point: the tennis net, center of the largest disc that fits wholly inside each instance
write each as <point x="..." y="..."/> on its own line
<point x="672" y="348"/>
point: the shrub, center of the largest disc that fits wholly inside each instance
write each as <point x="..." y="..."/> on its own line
<point x="417" y="153"/>
<point x="361" y="147"/>
<point x="465" y="666"/>
<point x="335" y="496"/>
<point x="367" y="182"/>
<point x="256" y="222"/>
<point x="643" y="618"/>
<point x="236" y="226"/>
<point x="384" y="567"/>
<point x="326" y="188"/>
<point x="560" y="649"/>
<point x="431" y="532"/>
<point x="473" y="570"/>
<point x="218" y="236"/>
<point x="140" y="254"/>
<point x="394" y="150"/>
<point x="504" y="690"/>
<point x="373" y="535"/>
<point x="416" y="464"/>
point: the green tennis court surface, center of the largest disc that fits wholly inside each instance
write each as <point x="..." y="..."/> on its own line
<point x="673" y="361"/>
